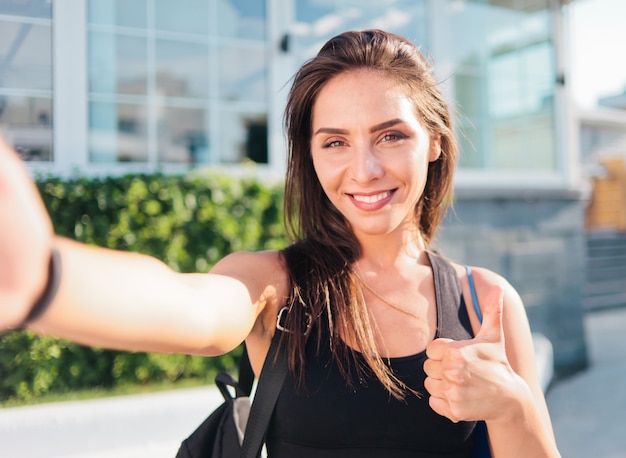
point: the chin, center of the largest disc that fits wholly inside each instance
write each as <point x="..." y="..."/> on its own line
<point x="373" y="230"/>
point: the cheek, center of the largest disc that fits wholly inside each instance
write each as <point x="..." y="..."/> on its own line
<point x="418" y="176"/>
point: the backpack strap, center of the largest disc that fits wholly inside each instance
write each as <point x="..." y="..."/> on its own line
<point x="270" y="384"/>
<point x="246" y="374"/>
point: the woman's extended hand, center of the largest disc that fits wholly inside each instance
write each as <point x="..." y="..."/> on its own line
<point x="25" y="240"/>
<point x="472" y="379"/>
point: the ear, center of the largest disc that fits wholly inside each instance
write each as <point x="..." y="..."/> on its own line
<point x="435" y="148"/>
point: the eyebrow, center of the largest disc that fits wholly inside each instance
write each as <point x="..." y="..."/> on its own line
<point x="376" y="128"/>
<point x="386" y="125"/>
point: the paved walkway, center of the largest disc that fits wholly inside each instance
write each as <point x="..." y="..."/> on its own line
<point x="138" y="426"/>
<point x="587" y="411"/>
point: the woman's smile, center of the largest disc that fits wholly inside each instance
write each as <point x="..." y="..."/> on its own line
<point x="372" y="201"/>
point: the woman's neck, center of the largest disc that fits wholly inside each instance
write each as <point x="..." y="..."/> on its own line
<point x="388" y="252"/>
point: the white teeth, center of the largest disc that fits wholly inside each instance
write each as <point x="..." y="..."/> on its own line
<point x="373" y="198"/>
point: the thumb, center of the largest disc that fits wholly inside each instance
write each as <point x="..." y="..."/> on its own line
<point x="491" y="328"/>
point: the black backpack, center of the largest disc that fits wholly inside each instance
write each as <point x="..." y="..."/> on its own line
<point x="237" y="427"/>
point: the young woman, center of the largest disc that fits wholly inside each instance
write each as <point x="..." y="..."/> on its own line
<point x="387" y="353"/>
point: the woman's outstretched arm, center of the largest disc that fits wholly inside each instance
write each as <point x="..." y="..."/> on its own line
<point x="114" y="299"/>
<point x="132" y="301"/>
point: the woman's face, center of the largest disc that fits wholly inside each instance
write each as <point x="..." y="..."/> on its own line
<point x="370" y="152"/>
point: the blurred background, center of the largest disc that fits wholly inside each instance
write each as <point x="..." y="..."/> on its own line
<point x="156" y="126"/>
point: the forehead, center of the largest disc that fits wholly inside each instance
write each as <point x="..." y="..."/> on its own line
<point x="362" y="81"/>
<point x="362" y="95"/>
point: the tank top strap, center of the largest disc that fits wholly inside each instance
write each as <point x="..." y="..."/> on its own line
<point x="452" y="317"/>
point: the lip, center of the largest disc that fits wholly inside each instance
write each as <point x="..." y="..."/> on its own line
<point x="371" y="201"/>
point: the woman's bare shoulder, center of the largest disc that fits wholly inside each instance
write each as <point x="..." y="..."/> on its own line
<point x="484" y="279"/>
<point x="238" y="259"/>
<point x="263" y="273"/>
<point x="255" y="269"/>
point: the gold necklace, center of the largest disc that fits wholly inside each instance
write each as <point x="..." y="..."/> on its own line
<point x="382" y="299"/>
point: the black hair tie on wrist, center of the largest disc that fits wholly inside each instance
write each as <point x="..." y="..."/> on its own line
<point x="49" y="292"/>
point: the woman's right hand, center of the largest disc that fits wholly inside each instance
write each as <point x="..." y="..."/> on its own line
<point x="25" y="240"/>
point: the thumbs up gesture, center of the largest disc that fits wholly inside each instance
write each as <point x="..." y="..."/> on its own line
<point x="468" y="380"/>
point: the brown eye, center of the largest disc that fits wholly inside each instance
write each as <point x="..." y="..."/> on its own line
<point x="333" y="144"/>
<point x="393" y="136"/>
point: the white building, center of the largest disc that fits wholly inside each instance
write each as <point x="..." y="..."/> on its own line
<point x="112" y="86"/>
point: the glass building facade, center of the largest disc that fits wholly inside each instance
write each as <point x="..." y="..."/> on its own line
<point x="192" y="82"/>
<point x="173" y="82"/>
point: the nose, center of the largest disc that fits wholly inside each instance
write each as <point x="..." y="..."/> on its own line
<point x="365" y="164"/>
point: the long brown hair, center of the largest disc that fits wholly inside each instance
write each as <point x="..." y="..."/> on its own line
<point x="320" y="262"/>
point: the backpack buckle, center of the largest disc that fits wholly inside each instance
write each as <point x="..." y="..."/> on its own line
<point x="281" y="317"/>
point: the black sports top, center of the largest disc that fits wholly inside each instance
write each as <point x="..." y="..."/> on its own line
<point x="330" y="419"/>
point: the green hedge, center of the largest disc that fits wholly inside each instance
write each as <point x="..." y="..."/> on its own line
<point x="189" y="222"/>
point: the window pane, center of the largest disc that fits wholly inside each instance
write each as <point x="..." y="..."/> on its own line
<point x="310" y="11"/>
<point x="31" y="8"/>
<point x="502" y="66"/>
<point x="118" y="12"/>
<point x="316" y="23"/>
<point x="26" y="66"/>
<point x="117" y="132"/>
<point x="242" y="74"/>
<point x="182" y="69"/>
<point x="241" y="18"/>
<point x="243" y="136"/>
<point x="26" y="123"/>
<point x="183" y="135"/>
<point x="117" y="64"/>
<point x="319" y="20"/>
<point x="524" y="143"/>
<point x="25" y="56"/>
<point x="185" y="16"/>
<point x="405" y="17"/>
<point x="521" y="81"/>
